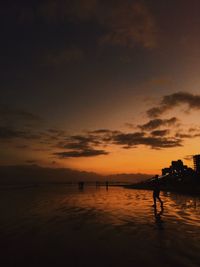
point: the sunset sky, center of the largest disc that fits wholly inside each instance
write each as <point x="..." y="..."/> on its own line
<point x="108" y="86"/>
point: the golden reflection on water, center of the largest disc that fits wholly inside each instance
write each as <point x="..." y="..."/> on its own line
<point x="116" y="206"/>
<point x="119" y="205"/>
<point x="122" y="219"/>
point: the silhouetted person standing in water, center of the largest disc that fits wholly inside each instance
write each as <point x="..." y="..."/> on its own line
<point x="156" y="191"/>
<point x="107" y="185"/>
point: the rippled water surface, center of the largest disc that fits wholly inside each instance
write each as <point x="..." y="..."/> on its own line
<point x="63" y="226"/>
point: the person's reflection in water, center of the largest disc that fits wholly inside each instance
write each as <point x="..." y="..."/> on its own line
<point x="158" y="218"/>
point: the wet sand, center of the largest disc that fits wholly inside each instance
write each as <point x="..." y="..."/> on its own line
<point x="63" y="226"/>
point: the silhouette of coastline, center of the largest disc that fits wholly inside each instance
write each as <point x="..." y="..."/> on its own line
<point x="177" y="178"/>
<point x="170" y="184"/>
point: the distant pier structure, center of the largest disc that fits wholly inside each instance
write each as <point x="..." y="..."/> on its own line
<point x="196" y="160"/>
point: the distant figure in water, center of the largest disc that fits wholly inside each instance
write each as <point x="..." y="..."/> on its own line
<point x="107" y="185"/>
<point x="156" y="191"/>
<point x="81" y="185"/>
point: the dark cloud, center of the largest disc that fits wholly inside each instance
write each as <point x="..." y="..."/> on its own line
<point x="102" y="131"/>
<point x="129" y="139"/>
<point x="123" y="23"/>
<point x="91" y="143"/>
<point x="103" y="136"/>
<point x="128" y="23"/>
<point x="187" y="135"/>
<point x="75" y="145"/>
<point x="156" y="139"/>
<point x="169" y="102"/>
<point x="81" y="142"/>
<point x="160" y="132"/>
<point x="16" y="127"/>
<point x="193" y="130"/>
<point x="184" y="135"/>
<point x="81" y="146"/>
<point x="56" y="132"/>
<point x="18" y="117"/>
<point x="9" y="133"/>
<point x="196" y="135"/>
<point x="156" y="123"/>
<point x="21" y="124"/>
<point x="82" y="153"/>
<point x="134" y="139"/>
<point x="83" y="139"/>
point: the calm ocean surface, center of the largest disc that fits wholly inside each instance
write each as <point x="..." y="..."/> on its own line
<point x="63" y="226"/>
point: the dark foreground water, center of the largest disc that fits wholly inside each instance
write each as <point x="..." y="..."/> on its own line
<point x="62" y="226"/>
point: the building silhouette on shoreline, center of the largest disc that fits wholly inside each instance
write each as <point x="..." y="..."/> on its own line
<point x="196" y="160"/>
<point x="177" y="168"/>
<point x="176" y="178"/>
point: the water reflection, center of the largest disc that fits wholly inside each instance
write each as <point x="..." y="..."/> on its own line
<point x="66" y="219"/>
<point x="158" y="217"/>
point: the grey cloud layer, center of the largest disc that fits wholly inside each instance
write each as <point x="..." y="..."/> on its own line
<point x="156" y="133"/>
<point x="160" y="132"/>
<point x="88" y="145"/>
<point x="135" y="139"/>
<point x="17" y="116"/>
<point x="128" y="23"/>
<point x="156" y="123"/>
<point x="17" y="123"/>
<point x="169" y="102"/>
<point x="9" y="133"/>
<point x="80" y="154"/>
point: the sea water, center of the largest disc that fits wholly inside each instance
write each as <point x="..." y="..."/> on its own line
<point x="59" y="225"/>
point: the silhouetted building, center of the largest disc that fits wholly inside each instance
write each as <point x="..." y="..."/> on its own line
<point x="177" y="168"/>
<point x="196" y="159"/>
<point x="166" y="171"/>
